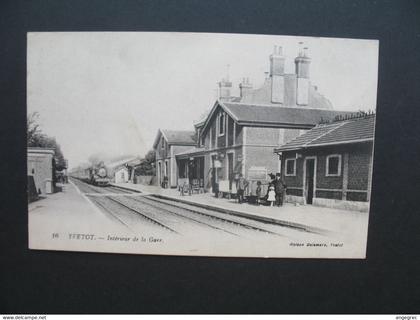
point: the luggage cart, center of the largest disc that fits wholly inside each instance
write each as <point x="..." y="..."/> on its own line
<point x="225" y="190"/>
<point x="256" y="174"/>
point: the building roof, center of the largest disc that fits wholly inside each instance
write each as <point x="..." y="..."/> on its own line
<point x="279" y="116"/>
<point x="192" y="151"/>
<point x="120" y="163"/>
<point x="119" y="168"/>
<point x="353" y="130"/>
<point x="134" y="162"/>
<point x="38" y="150"/>
<point x="200" y="123"/>
<point x="274" y="116"/>
<point x="178" y="137"/>
<point x="262" y="95"/>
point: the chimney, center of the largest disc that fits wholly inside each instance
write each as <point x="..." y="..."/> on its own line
<point x="245" y="87"/>
<point x="224" y="87"/>
<point x="302" y="62"/>
<point x="277" y="75"/>
<point x="277" y="62"/>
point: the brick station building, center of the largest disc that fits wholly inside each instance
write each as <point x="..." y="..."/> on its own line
<point x="167" y="144"/>
<point x="331" y="164"/>
<point x="240" y="133"/>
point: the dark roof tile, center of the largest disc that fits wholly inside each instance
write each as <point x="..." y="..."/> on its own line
<point x="357" y="129"/>
<point x="278" y="115"/>
<point x="352" y="130"/>
<point x="179" y="137"/>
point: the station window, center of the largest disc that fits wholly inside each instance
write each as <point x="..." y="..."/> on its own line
<point x="203" y="140"/>
<point x="290" y="167"/>
<point x="333" y="165"/>
<point x="221" y="124"/>
<point x="198" y="137"/>
<point x="162" y="143"/>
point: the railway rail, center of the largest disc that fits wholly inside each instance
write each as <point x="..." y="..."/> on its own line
<point x="88" y="188"/>
<point x="142" y="214"/>
<point x="143" y="210"/>
<point x="193" y="214"/>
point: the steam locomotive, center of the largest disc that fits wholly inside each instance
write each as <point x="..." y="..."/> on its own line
<point x="99" y="176"/>
<point x="95" y="174"/>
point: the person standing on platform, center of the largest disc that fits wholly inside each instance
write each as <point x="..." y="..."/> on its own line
<point x="241" y="185"/>
<point x="258" y="192"/>
<point x="271" y="195"/>
<point x="279" y="187"/>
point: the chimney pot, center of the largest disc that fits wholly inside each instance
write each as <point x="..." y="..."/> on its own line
<point x="245" y="87"/>
<point x="300" y="44"/>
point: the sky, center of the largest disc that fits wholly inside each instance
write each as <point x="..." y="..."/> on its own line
<point x="108" y="93"/>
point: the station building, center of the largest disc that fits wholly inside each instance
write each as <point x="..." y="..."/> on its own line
<point x="122" y="174"/>
<point x="167" y="144"/>
<point x="240" y="133"/>
<point x="122" y="171"/>
<point x="41" y="171"/>
<point x="331" y="164"/>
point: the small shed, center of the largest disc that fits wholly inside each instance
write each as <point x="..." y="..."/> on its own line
<point x="41" y="167"/>
<point x="121" y="175"/>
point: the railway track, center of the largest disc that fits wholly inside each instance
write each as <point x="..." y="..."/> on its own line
<point x="149" y="213"/>
<point x="210" y="220"/>
<point x="258" y="223"/>
<point x="179" y="224"/>
<point x="88" y="188"/>
<point x="140" y="210"/>
<point x="97" y="201"/>
<point x="142" y="214"/>
<point x="161" y="214"/>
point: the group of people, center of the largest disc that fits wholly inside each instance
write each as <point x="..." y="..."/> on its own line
<point x="275" y="194"/>
<point x="61" y="178"/>
<point x="276" y="190"/>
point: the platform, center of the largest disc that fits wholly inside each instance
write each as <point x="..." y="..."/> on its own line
<point x="346" y="222"/>
<point x="53" y="218"/>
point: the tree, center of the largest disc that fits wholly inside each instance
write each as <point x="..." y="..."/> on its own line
<point x="37" y="139"/>
<point x="33" y="131"/>
<point x="147" y="165"/>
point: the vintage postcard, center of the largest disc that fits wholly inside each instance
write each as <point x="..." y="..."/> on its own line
<point x="200" y="144"/>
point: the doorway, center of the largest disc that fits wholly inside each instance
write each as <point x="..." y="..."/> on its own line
<point x="309" y="179"/>
<point x="230" y="169"/>
<point x="214" y="174"/>
<point x="160" y="173"/>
